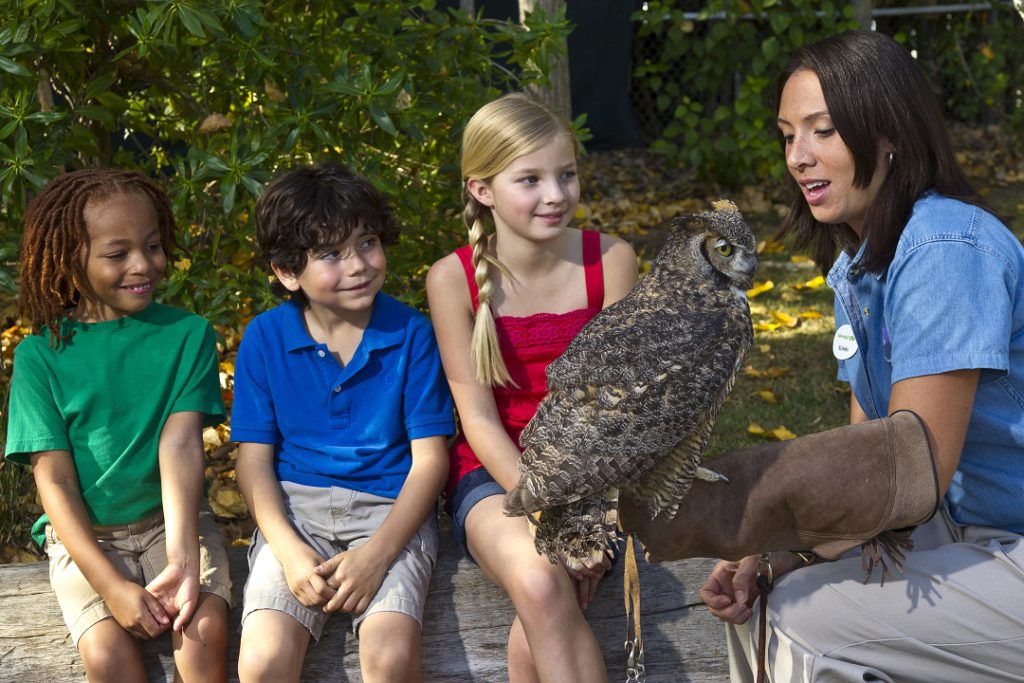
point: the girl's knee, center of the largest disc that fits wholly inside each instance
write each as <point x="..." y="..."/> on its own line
<point x="540" y="588"/>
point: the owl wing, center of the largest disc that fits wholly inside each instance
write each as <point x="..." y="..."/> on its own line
<point x="625" y="392"/>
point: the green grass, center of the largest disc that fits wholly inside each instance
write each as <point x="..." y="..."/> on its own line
<point x="809" y="398"/>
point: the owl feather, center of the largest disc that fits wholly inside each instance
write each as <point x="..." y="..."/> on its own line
<point x="632" y="400"/>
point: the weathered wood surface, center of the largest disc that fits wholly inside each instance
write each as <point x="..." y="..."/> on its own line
<point x="464" y="632"/>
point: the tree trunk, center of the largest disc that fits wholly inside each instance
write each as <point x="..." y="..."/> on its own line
<point x="556" y="94"/>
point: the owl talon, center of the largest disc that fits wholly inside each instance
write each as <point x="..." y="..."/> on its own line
<point x="705" y="474"/>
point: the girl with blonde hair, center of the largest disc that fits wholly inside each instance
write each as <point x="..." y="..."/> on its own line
<point x="503" y="307"/>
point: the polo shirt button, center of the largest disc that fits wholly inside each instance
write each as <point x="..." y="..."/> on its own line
<point x="321" y="353"/>
<point x="337" y="388"/>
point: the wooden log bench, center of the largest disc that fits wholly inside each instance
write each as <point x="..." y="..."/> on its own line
<point x="464" y="631"/>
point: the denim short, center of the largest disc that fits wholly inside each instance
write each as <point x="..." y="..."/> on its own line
<point x="471" y="489"/>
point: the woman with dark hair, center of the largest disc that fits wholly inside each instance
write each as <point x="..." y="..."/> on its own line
<point x="929" y="308"/>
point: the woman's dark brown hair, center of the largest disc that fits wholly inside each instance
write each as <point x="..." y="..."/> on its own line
<point x="875" y="91"/>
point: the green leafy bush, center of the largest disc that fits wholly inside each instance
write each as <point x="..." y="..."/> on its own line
<point x="216" y="96"/>
<point x="711" y="79"/>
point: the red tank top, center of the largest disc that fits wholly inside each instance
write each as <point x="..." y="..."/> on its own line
<point x="528" y="344"/>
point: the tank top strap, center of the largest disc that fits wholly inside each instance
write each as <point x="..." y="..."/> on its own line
<point x="593" y="270"/>
<point x="465" y="255"/>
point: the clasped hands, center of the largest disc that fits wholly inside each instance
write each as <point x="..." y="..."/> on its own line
<point x="346" y="582"/>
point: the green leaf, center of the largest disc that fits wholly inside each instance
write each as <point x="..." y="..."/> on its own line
<point x="190" y="19"/>
<point x="99" y="84"/>
<point x="228" y="189"/>
<point x="11" y="66"/>
<point x="254" y="187"/>
<point x="382" y="119"/>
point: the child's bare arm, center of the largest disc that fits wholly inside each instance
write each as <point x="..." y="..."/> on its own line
<point x="262" y="492"/>
<point x="133" y="607"/>
<point x="182" y="469"/>
<point x="357" y="574"/>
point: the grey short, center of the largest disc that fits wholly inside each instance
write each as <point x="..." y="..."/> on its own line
<point x="332" y="520"/>
<point x="139" y="552"/>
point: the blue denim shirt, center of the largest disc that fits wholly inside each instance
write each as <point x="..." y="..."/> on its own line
<point x="345" y="426"/>
<point x="952" y="299"/>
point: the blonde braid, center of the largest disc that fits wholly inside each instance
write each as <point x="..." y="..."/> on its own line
<point x="490" y="366"/>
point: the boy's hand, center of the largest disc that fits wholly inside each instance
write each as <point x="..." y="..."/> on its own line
<point x="137" y="611"/>
<point x="356" y="575"/>
<point x="306" y="584"/>
<point x="177" y="589"/>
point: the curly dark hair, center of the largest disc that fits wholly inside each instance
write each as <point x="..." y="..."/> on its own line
<point x="310" y="207"/>
<point x="55" y="240"/>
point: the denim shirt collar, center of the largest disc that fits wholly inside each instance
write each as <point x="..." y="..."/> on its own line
<point x="847" y="267"/>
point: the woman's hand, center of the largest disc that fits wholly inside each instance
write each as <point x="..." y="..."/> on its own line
<point x="731" y="589"/>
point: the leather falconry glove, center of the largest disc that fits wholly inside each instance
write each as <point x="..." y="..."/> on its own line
<point x="864" y="484"/>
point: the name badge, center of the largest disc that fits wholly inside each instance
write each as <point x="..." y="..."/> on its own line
<point x="844" y="344"/>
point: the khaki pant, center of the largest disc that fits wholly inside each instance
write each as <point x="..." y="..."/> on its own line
<point x="955" y="615"/>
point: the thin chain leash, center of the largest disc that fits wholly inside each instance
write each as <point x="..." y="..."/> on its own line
<point x="635" y="672"/>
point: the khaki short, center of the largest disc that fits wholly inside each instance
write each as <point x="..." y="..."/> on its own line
<point x="331" y="520"/>
<point x="139" y="552"/>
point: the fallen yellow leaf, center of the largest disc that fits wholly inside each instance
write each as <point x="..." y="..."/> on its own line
<point x="755" y="429"/>
<point x="770" y="373"/>
<point x="766" y="327"/>
<point x="811" y="284"/>
<point x="785" y="318"/>
<point x="227" y="502"/>
<point x="800" y="258"/>
<point x="760" y="288"/>
<point x="768" y="396"/>
<point x="211" y="437"/>
<point x="782" y="434"/>
<point x="810" y="314"/>
<point x="770" y="247"/>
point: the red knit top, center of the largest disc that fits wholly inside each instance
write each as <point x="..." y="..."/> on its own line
<point x="528" y="344"/>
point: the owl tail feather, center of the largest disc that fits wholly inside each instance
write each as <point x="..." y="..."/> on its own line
<point x="583" y="532"/>
<point x="520" y="501"/>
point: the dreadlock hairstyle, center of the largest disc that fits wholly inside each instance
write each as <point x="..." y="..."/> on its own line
<point x="498" y="133"/>
<point x="55" y="241"/>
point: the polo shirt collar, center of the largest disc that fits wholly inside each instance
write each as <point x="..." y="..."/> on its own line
<point x="383" y="330"/>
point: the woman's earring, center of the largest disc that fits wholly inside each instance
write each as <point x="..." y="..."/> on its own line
<point x="889" y="158"/>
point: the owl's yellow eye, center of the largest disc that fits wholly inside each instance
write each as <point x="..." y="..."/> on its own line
<point x="724" y="248"/>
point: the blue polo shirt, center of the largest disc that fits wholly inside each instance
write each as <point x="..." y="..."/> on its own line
<point x="341" y="426"/>
<point x="952" y="299"/>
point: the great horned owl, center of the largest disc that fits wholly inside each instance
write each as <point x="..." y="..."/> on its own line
<point x="632" y="400"/>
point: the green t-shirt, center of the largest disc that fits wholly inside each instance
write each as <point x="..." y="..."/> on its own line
<point x="105" y="396"/>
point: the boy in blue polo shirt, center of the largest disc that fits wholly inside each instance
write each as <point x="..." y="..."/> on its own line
<point x="343" y="414"/>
